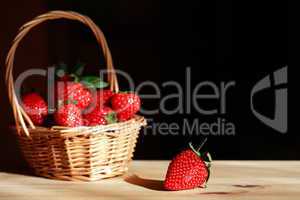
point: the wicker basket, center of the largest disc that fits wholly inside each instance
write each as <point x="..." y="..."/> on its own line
<point x="82" y="153"/>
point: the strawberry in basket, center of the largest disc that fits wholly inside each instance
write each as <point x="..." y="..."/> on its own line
<point x="72" y="86"/>
<point x="35" y="107"/>
<point x="103" y="97"/>
<point x="70" y="89"/>
<point x="126" y="105"/>
<point x="77" y="105"/>
<point x="68" y="115"/>
<point x="74" y="96"/>
<point x="75" y="92"/>
<point x="101" y="115"/>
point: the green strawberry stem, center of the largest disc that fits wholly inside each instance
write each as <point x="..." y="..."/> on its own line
<point x="194" y="150"/>
<point x="201" y="145"/>
<point x="76" y="78"/>
<point x="197" y="151"/>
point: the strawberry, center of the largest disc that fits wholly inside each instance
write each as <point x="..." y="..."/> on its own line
<point x="68" y="115"/>
<point x="188" y="170"/>
<point x="101" y="115"/>
<point x="73" y="92"/>
<point x="74" y="87"/>
<point x="36" y="108"/>
<point x="126" y="105"/>
<point x="103" y="97"/>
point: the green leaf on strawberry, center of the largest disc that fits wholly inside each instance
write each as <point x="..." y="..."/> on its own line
<point x="111" y="118"/>
<point x="93" y="82"/>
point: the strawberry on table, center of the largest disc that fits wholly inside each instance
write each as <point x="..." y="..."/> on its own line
<point x="188" y="170"/>
<point x="68" y="115"/>
<point x="35" y="107"/>
<point x="126" y="105"/>
<point x="101" y="115"/>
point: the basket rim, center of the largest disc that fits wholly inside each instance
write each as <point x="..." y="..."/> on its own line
<point x="108" y="130"/>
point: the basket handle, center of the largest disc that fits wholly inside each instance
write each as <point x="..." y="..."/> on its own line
<point x="20" y="116"/>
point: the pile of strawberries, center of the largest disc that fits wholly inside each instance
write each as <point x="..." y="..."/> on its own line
<point x="78" y="105"/>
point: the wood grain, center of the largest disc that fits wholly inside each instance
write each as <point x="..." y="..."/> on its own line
<point x="249" y="180"/>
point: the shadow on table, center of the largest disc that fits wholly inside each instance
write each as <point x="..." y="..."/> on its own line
<point x="11" y="158"/>
<point x="13" y="170"/>
<point x="146" y="183"/>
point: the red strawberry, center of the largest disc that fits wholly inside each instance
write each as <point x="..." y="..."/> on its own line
<point x="68" y="115"/>
<point x="36" y="108"/>
<point x="103" y="97"/>
<point x="126" y="105"/>
<point x="187" y="170"/>
<point x="101" y="115"/>
<point x="75" y="93"/>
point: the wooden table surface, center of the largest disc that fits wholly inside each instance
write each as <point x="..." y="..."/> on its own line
<point x="249" y="180"/>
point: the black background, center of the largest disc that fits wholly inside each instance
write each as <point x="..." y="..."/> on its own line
<point x="156" y="41"/>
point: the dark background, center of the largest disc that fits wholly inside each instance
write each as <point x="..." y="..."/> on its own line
<point x="156" y="40"/>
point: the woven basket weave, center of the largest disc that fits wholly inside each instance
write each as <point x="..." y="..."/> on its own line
<point x="82" y="153"/>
